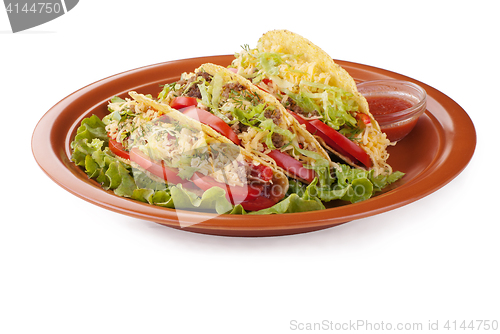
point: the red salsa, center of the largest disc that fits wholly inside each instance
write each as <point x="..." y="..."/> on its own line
<point x="381" y="107"/>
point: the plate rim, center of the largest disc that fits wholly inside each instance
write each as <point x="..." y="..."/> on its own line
<point x="52" y="163"/>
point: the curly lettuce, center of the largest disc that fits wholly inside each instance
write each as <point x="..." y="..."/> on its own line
<point x="91" y="152"/>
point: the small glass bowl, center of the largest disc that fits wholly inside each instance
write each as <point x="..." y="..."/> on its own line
<point x="398" y="124"/>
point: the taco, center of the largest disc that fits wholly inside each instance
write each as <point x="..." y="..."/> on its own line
<point x="319" y="93"/>
<point x="172" y="148"/>
<point x="249" y="117"/>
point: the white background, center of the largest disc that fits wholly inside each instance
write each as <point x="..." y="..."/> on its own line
<point x="67" y="266"/>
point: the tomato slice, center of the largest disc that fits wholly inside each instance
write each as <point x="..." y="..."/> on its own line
<point x="234" y="194"/>
<point x="156" y="168"/>
<point x="249" y="197"/>
<point x="262" y="172"/>
<point x="312" y="129"/>
<point x="292" y="166"/>
<point x="183" y="102"/>
<point x="212" y="121"/>
<point x="301" y="120"/>
<point x="257" y="204"/>
<point x="364" y="118"/>
<point x="267" y="81"/>
<point x="336" y="140"/>
<point x="341" y="143"/>
<point x="117" y="148"/>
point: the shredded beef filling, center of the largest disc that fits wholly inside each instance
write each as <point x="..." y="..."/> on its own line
<point x="291" y="105"/>
<point x="205" y="76"/>
<point x="233" y="86"/>
<point x="278" y="140"/>
<point x="194" y="91"/>
<point x="239" y="127"/>
<point x="275" y="115"/>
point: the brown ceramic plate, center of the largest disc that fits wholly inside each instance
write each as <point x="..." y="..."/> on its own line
<point x="436" y="151"/>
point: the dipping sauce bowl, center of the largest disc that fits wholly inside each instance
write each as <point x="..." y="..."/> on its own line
<point x="395" y="104"/>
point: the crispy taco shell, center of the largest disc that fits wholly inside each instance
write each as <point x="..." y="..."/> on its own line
<point x="280" y="181"/>
<point x="285" y="42"/>
<point x="286" y="121"/>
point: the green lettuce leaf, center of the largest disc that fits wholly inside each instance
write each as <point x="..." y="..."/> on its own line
<point x="213" y="198"/>
<point x="291" y="204"/>
<point x="120" y="179"/>
<point x="350" y="184"/>
<point x="90" y="129"/>
<point x="90" y="151"/>
<point x="300" y="201"/>
<point x="381" y="181"/>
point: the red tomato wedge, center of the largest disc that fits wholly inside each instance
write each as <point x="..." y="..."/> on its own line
<point x="312" y="129"/>
<point x="249" y="197"/>
<point x="292" y="166"/>
<point x="309" y="127"/>
<point x="337" y="140"/>
<point x="183" y="102"/>
<point x="364" y="118"/>
<point x="117" y="148"/>
<point x="212" y="121"/>
<point x="266" y="81"/>
<point x="156" y="168"/>
<point x="257" y="204"/>
<point x="262" y="172"/>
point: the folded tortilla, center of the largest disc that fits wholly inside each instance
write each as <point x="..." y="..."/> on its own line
<point x="220" y="92"/>
<point x="231" y="170"/>
<point x="283" y="63"/>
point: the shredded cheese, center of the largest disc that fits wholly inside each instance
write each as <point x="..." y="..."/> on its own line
<point x="292" y="73"/>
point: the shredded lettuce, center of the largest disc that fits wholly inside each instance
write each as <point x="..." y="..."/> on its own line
<point x="206" y="97"/>
<point x="164" y="92"/>
<point x="254" y="116"/>
<point x="272" y="128"/>
<point x="333" y="104"/>
<point x="270" y="62"/>
<point x="216" y="85"/>
<point x="210" y="96"/>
